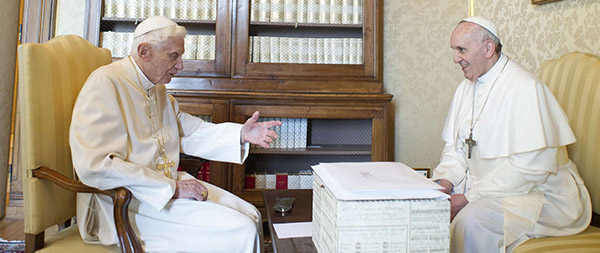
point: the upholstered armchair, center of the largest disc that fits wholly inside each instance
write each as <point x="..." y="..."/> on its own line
<point x="575" y="81"/>
<point x="50" y="77"/>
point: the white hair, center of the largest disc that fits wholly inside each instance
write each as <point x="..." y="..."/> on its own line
<point x="158" y="37"/>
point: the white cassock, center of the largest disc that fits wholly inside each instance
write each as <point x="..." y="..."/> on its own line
<point x="114" y="143"/>
<point x="519" y="181"/>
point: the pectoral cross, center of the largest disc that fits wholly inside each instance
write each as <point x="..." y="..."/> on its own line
<point x="470" y="144"/>
<point x="166" y="165"/>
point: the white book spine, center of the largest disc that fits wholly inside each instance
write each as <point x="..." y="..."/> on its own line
<point x="264" y="10"/>
<point x="359" y="51"/>
<point x="347" y="11"/>
<point x="324" y="11"/>
<point x="274" y="42"/>
<point x="141" y="9"/>
<point x="338" y="50"/>
<point x="302" y="11"/>
<point x="303" y="132"/>
<point x="290" y="11"/>
<point x="110" y="8"/>
<point x="320" y="50"/>
<point x="190" y="8"/>
<point x="255" y="48"/>
<point x="265" y="51"/>
<point x="254" y="10"/>
<point x="270" y="180"/>
<point x="312" y="50"/>
<point x="328" y="51"/>
<point x="200" y="44"/>
<point x="212" y="43"/>
<point x="347" y="48"/>
<point x="312" y="11"/>
<point x="203" y="10"/>
<point x="172" y="7"/>
<point x="277" y="11"/>
<point x="261" y="181"/>
<point x="298" y="133"/>
<point x="108" y="41"/>
<point x="284" y="50"/>
<point x="161" y="8"/>
<point x="131" y="9"/>
<point x="293" y="181"/>
<point x="357" y="11"/>
<point x="212" y="13"/>
<point x="294" y="47"/>
<point x="335" y="10"/>
<point x="303" y="50"/>
<point x="191" y="45"/>
<point x="290" y="134"/>
<point x="120" y="11"/>
<point x="352" y="59"/>
<point x="150" y="8"/>
<point x="284" y="132"/>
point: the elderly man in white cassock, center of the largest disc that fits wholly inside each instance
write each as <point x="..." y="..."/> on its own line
<point x="126" y="131"/>
<point x="505" y="161"/>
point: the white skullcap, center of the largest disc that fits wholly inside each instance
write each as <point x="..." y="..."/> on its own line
<point x="151" y="24"/>
<point x="485" y="23"/>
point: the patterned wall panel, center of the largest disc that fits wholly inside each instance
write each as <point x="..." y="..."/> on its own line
<point x="419" y="71"/>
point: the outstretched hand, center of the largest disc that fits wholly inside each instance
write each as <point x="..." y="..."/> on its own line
<point x="258" y="132"/>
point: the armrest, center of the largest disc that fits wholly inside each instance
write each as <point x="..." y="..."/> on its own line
<point x="120" y="196"/>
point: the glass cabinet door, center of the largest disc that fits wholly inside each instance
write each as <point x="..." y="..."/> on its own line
<point x="207" y="23"/>
<point x="309" y="38"/>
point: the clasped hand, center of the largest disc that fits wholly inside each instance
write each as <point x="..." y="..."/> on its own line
<point x="190" y="189"/>
<point x="457" y="201"/>
<point x="258" y="132"/>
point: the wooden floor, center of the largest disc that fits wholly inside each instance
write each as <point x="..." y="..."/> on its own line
<point x="11" y="226"/>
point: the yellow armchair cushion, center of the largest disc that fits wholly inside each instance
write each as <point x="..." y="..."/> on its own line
<point x="587" y="241"/>
<point x="69" y="240"/>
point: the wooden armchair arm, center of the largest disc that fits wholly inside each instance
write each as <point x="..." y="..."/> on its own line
<point x="120" y="196"/>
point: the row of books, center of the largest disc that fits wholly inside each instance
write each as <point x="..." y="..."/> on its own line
<point x="292" y="133"/>
<point x="203" y="173"/>
<point x="307" y="11"/>
<point x="175" y="9"/>
<point x="281" y="180"/>
<point x="306" y="50"/>
<point x="196" y="46"/>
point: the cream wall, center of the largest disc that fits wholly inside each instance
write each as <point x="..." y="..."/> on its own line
<point x="533" y="33"/>
<point x="418" y="69"/>
<point x="420" y="73"/>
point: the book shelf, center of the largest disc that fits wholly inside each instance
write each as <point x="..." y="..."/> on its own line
<point x="328" y="77"/>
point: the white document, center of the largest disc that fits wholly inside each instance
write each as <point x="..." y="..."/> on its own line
<point x="377" y="180"/>
<point x="293" y="229"/>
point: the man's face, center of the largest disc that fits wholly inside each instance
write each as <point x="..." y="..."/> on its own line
<point x="469" y="50"/>
<point x="163" y="64"/>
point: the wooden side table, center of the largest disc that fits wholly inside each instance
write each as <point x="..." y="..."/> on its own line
<point x="301" y="211"/>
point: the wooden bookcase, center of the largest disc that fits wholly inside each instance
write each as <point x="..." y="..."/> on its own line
<point x="234" y="84"/>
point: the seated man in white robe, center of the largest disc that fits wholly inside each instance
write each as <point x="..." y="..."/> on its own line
<point x="505" y="161"/>
<point x="127" y="132"/>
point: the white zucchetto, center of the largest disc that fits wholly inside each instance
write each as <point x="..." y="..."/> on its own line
<point x="151" y="24"/>
<point x="485" y="23"/>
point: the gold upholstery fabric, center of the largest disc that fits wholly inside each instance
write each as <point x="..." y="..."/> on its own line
<point x="69" y="240"/>
<point x="50" y="77"/>
<point x="575" y="81"/>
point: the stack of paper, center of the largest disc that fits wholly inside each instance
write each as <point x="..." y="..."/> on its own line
<point x="378" y="207"/>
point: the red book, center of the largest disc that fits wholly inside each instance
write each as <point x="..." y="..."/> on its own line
<point x="281" y="181"/>
<point x="250" y="181"/>
<point x="206" y="171"/>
